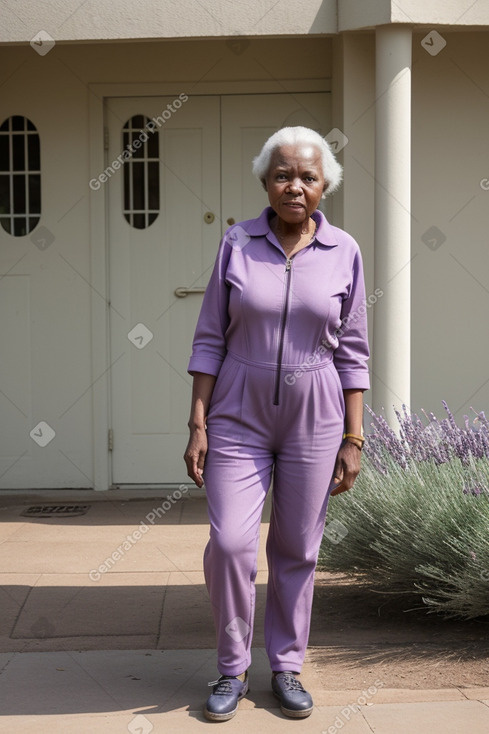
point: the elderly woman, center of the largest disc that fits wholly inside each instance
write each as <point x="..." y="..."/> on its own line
<point x="279" y="367"/>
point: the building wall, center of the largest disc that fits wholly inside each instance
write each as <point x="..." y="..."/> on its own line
<point x="354" y="15"/>
<point x="51" y="379"/>
<point x="70" y="20"/>
<point x="96" y="20"/>
<point x="450" y="276"/>
<point x="55" y="387"/>
<point x="450" y="182"/>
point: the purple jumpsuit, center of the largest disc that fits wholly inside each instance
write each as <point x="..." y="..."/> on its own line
<point x="284" y="338"/>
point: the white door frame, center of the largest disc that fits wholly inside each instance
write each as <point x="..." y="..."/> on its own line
<point x="99" y="244"/>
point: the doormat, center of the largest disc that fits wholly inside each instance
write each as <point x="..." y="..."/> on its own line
<point x="55" y="510"/>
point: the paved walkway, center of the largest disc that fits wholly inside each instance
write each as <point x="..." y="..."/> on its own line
<point x="105" y="627"/>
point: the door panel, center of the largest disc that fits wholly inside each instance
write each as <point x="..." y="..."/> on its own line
<point x="151" y="327"/>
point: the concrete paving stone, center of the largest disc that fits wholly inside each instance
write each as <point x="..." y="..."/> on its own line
<point x="166" y="510"/>
<point x="394" y="695"/>
<point x="449" y="717"/>
<point x="156" y="511"/>
<point x="42" y="532"/>
<point x="106" y="681"/>
<point x="70" y="531"/>
<point x="10" y="502"/>
<point x="80" y="644"/>
<point x="106" y="724"/>
<point x="57" y="684"/>
<point x="194" y="626"/>
<point x="271" y="721"/>
<point x="476" y="694"/>
<point x="185" y="551"/>
<point x="129" y="580"/>
<point x="19" y="580"/>
<point x="82" y="557"/>
<point x="325" y="697"/>
<point x="101" y="516"/>
<point x="156" y="681"/>
<point x="199" y="535"/>
<point x="194" y="510"/>
<point x="93" y="619"/>
<point x="192" y="578"/>
<point x="5" y="658"/>
<point x="101" y="513"/>
<point x="186" y="621"/>
<point x="13" y="593"/>
<point x="58" y="607"/>
<point x="8" y="529"/>
<point x="187" y="554"/>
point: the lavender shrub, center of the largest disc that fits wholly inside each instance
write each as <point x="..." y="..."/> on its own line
<point x="417" y="519"/>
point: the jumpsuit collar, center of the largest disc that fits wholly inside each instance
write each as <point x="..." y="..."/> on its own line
<point x="260" y="227"/>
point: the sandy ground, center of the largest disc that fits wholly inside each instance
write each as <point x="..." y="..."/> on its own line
<point x="371" y="636"/>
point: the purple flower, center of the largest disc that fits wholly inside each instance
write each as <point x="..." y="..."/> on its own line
<point x="474" y="489"/>
<point x="433" y="440"/>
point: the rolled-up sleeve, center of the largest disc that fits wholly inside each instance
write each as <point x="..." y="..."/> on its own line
<point x="209" y="344"/>
<point x="351" y="355"/>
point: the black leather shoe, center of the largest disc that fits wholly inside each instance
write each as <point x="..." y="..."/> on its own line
<point x="222" y="704"/>
<point x="294" y="700"/>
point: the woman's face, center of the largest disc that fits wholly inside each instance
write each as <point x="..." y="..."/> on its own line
<point x="295" y="181"/>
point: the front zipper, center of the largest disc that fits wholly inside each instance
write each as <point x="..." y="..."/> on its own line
<point x="288" y="265"/>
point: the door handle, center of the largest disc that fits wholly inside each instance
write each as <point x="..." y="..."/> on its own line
<point x="183" y="292"/>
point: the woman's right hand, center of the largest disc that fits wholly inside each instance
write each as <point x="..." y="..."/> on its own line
<point x="194" y="455"/>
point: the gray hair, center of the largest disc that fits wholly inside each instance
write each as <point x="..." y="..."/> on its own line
<point x="332" y="170"/>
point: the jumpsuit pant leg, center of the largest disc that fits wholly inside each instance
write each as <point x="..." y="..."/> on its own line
<point x="300" y="497"/>
<point x="299" y="441"/>
<point x="236" y="490"/>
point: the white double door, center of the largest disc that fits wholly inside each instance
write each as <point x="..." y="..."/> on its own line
<point x="205" y="149"/>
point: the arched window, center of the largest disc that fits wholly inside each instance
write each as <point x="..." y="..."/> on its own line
<point x="141" y="204"/>
<point x="20" y="176"/>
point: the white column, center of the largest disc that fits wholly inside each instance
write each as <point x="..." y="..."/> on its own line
<point x="391" y="363"/>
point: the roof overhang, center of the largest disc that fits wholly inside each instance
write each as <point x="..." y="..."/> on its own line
<point x="124" y="20"/>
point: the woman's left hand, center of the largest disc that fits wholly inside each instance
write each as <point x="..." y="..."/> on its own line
<point x="346" y="468"/>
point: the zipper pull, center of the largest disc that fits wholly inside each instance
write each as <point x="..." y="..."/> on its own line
<point x="288" y="263"/>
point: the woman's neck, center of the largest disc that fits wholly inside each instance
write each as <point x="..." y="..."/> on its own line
<point x="293" y="236"/>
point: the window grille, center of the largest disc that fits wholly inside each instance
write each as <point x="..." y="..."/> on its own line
<point x="141" y="192"/>
<point x="20" y="176"/>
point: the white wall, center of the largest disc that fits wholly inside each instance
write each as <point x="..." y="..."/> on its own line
<point x="72" y="20"/>
<point x="56" y="301"/>
<point x="99" y="20"/>
<point x="360" y="14"/>
<point x="450" y="302"/>
<point x="450" y="284"/>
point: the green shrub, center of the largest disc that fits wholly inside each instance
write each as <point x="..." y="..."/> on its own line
<point x="417" y="519"/>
